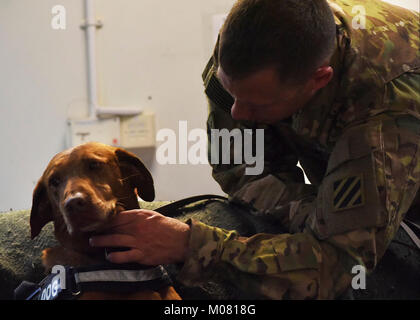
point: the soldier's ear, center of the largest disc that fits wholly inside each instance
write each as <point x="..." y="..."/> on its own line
<point x="133" y="169"/>
<point x="41" y="211"/>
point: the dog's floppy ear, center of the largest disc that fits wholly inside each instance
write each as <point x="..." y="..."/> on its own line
<point x="41" y="212"/>
<point x="134" y="170"/>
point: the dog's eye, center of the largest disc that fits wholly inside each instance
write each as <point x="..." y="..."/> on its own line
<point x="94" y="165"/>
<point x="54" y="181"/>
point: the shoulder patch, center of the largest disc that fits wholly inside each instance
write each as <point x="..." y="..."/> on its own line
<point x="348" y="193"/>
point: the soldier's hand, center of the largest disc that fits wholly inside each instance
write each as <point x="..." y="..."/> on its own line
<point x="152" y="238"/>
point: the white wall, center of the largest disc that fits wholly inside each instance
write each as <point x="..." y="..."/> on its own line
<point x="42" y="72"/>
<point x="150" y="53"/>
<point x="409" y="4"/>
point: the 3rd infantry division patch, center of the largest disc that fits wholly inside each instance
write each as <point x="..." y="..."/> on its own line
<point x="348" y="193"/>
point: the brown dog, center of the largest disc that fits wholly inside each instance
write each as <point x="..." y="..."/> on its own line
<point x="80" y="190"/>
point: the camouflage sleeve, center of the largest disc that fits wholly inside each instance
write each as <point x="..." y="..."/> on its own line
<point x="372" y="179"/>
<point x="281" y="180"/>
<point x="285" y="266"/>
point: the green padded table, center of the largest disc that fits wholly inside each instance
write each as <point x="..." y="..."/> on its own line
<point x="397" y="276"/>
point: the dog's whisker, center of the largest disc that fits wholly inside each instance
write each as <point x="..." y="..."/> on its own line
<point x="128" y="177"/>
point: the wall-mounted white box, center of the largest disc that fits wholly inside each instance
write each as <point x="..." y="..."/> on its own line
<point x="94" y="130"/>
<point x="138" y="131"/>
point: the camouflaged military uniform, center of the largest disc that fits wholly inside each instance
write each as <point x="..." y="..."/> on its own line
<point x="358" y="141"/>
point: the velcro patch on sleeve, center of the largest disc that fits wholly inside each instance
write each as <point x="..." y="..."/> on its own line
<point x="348" y="193"/>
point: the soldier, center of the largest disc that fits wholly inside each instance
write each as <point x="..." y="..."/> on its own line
<point x="338" y="91"/>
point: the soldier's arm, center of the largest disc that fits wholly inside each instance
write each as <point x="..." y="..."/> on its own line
<point x="371" y="181"/>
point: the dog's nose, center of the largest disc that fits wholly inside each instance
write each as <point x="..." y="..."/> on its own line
<point x="76" y="202"/>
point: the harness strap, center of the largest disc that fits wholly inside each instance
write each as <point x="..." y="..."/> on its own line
<point x="172" y="209"/>
<point x="118" y="275"/>
<point x="71" y="282"/>
<point x="121" y="280"/>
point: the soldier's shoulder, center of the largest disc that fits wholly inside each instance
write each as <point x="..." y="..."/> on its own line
<point x="384" y="38"/>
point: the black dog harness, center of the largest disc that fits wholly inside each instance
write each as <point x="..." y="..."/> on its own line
<point x="67" y="283"/>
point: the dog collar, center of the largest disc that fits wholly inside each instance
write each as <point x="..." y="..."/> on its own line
<point x="68" y="283"/>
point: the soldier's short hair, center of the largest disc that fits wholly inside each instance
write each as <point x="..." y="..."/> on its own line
<point x="294" y="36"/>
